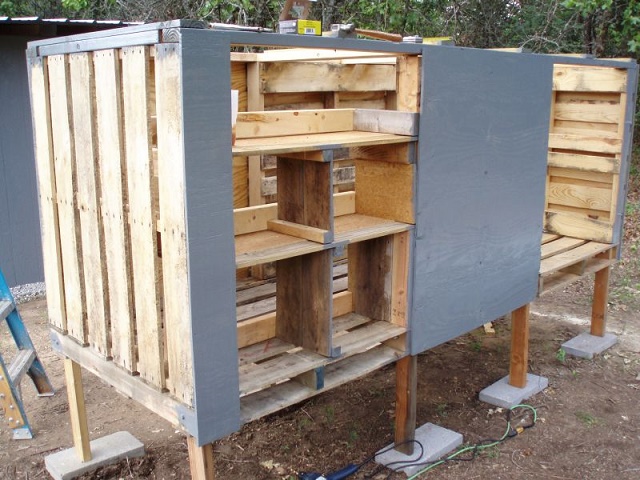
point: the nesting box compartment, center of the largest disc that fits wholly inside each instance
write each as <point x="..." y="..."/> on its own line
<point x="397" y="191"/>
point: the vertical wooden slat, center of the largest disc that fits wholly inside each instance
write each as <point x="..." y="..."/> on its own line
<point x="114" y="199"/>
<point x="77" y="410"/>
<point x="399" y="279"/>
<point x="519" y="347"/>
<point x="64" y="161"/>
<point x="200" y="460"/>
<point x="171" y="183"/>
<point x="88" y="196"/>
<point x="135" y="78"/>
<point x="406" y="403"/>
<point x="600" y="303"/>
<point x="408" y="83"/>
<point x="41" y="115"/>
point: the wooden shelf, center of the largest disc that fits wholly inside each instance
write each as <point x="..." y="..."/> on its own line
<point x="314" y="142"/>
<point x="357" y="228"/>
<point x="267" y="246"/>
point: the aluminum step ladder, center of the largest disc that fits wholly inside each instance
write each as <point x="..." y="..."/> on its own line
<point x="25" y="362"/>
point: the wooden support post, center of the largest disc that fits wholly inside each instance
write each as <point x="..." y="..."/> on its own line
<point x="406" y="393"/>
<point x="200" y="460"/>
<point x="75" y="394"/>
<point x="519" y="347"/>
<point x="599" y="304"/>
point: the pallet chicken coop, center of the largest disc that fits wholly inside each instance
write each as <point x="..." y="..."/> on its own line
<point x="380" y="199"/>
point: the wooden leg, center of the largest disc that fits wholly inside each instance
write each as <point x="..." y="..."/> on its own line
<point x="406" y="393"/>
<point x="600" y="300"/>
<point x="200" y="460"/>
<point x="519" y="347"/>
<point x="73" y="377"/>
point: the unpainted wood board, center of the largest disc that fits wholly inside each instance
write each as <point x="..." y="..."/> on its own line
<point x="386" y="121"/>
<point x="293" y="101"/>
<point x="579" y="196"/>
<point x="406" y="401"/>
<point x="400" y="272"/>
<point x="358" y="228"/>
<point x="293" y="122"/>
<point x="375" y="100"/>
<point x="114" y="198"/>
<point x="588" y="112"/>
<point x="601" y="215"/>
<point x="88" y="195"/>
<point x="590" y="128"/>
<point x="311" y="142"/>
<point x="559" y="245"/>
<point x="309" y="54"/>
<point x="239" y="82"/>
<point x="580" y="78"/>
<point x="314" y="234"/>
<point x="579" y="177"/>
<point x="200" y="460"/>
<point x="519" y="361"/>
<point x="303" y="301"/>
<point x="385" y="190"/>
<point x="585" y="142"/>
<point x="65" y="180"/>
<point x="589" y="163"/>
<point x="146" y="266"/>
<point x="570" y="257"/>
<point x="612" y="98"/>
<point x="361" y="339"/>
<point x="402" y="153"/>
<point x="267" y="246"/>
<point x="45" y="169"/>
<point x="408" y="77"/>
<point x="549" y="237"/>
<point x="370" y="277"/>
<point x="240" y="182"/>
<point x="325" y="77"/>
<point x="579" y="226"/>
<point x="171" y="178"/>
<point x="77" y="409"/>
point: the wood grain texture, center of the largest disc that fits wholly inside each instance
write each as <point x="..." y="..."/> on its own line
<point x="77" y="410"/>
<point x="600" y="302"/>
<point x="200" y="460"/>
<point x="45" y="169"/>
<point x="579" y="78"/>
<point x="171" y="183"/>
<point x="66" y="182"/>
<point x="566" y="223"/>
<point x="406" y="403"/>
<point x="89" y="195"/>
<point x="519" y="362"/>
<point x="293" y="122"/>
<point x="113" y="181"/>
<point x="141" y="188"/>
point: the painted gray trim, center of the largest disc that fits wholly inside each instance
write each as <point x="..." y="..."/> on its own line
<point x="115" y="41"/>
<point x="481" y="182"/>
<point x="625" y="158"/>
<point x="206" y="97"/>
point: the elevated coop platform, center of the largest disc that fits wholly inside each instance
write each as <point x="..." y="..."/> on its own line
<point x="368" y="177"/>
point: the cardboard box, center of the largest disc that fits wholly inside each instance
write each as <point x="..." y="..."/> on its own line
<point x="300" y="27"/>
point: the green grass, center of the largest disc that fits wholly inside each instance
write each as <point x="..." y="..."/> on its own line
<point x="587" y="419"/>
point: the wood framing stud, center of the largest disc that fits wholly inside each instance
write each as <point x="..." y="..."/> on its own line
<point x="200" y="460"/>
<point x="406" y="392"/>
<point x="519" y="347"/>
<point x="599" y="305"/>
<point x="75" y="393"/>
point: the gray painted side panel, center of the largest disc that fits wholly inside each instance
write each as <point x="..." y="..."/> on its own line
<point x="627" y="148"/>
<point x="207" y="137"/>
<point x="481" y="183"/>
<point x="20" y="247"/>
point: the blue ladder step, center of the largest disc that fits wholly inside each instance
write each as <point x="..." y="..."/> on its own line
<point x="21" y="365"/>
<point x="6" y="307"/>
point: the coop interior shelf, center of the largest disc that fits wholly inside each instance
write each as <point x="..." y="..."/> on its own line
<point x="289" y="132"/>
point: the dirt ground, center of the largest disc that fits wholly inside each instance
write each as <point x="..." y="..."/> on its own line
<point x="588" y="425"/>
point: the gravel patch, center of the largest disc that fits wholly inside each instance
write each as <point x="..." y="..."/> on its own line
<point x="27" y="292"/>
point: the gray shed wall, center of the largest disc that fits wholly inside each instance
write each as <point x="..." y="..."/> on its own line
<point x="20" y="246"/>
<point x="484" y="131"/>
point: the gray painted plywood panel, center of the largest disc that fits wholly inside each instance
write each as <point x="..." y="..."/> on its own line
<point x="20" y="247"/>
<point x="207" y="143"/>
<point x="480" y="189"/>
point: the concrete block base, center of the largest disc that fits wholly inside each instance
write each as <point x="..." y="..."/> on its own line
<point x="504" y="395"/>
<point x="437" y="442"/>
<point x="65" y="465"/>
<point x="586" y="345"/>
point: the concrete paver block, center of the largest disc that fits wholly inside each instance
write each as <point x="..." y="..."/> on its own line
<point x="437" y="442"/>
<point x="65" y="465"/>
<point x="586" y="345"/>
<point x="504" y="395"/>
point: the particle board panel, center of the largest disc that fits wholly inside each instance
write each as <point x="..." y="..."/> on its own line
<point x="468" y="268"/>
<point x="45" y="169"/>
<point x="89" y="194"/>
<point x="114" y="198"/>
<point x="146" y="269"/>
<point x="65" y="180"/>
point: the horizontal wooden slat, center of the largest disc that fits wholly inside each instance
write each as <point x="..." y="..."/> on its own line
<point x="341" y="176"/>
<point x="549" y="237"/>
<point x="263" y="247"/>
<point x="573" y="225"/>
<point x="293" y="122"/>
<point x="386" y="121"/>
<point x="579" y="177"/>
<point x="314" y="234"/>
<point x="357" y="228"/>
<point x="326" y="77"/>
<point x="587" y="112"/>
<point x="585" y="143"/>
<point x="560" y="245"/>
<point x="362" y="339"/>
<point x="560" y="279"/>
<point x="579" y="196"/>
<point x="587" y="163"/>
<point x="570" y="257"/>
<point x="589" y="79"/>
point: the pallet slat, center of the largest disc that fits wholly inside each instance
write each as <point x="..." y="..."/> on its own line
<point x="145" y="264"/>
<point x="571" y="257"/>
<point x="585" y="142"/>
<point x="589" y="79"/>
<point x="89" y="194"/>
<point x="587" y="163"/>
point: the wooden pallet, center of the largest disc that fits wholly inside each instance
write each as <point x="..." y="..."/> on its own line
<point x="565" y="260"/>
